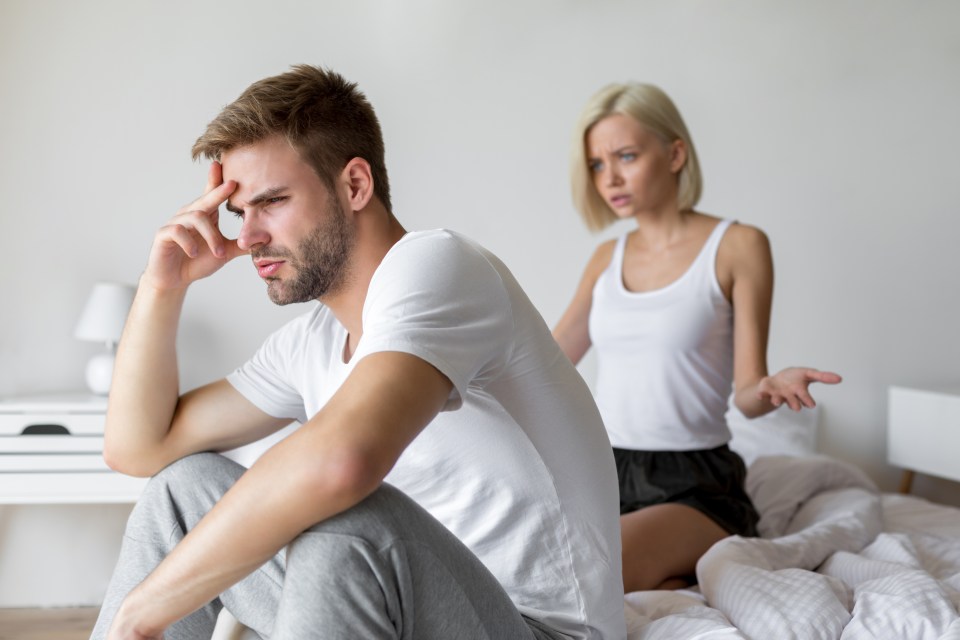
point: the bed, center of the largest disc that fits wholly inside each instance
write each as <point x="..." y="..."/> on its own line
<point x="836" y="558"/>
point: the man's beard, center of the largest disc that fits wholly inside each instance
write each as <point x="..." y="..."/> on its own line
<point x="320" y="263"/>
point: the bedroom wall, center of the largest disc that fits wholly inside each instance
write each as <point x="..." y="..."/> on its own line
<point x="830" y="124"/>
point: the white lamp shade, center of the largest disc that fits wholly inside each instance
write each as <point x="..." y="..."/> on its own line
<point x="105" y="312"/>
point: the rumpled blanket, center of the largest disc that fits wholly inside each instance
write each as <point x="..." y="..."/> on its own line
<point x="827" y="567"/>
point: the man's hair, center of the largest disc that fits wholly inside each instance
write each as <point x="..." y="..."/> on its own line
<point x="652" y="108"/>
<point x="322" y="115"/>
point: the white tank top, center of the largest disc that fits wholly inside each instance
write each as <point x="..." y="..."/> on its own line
<point x="664" y="357"/>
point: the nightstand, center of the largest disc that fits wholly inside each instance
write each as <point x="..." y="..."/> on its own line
<point x="51" y="451"/>
<point x="923" y="433"/>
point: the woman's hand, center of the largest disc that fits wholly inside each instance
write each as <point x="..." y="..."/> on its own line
<point x="791" y="386"/>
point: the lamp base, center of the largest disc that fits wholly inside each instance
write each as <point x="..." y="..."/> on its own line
<point x="100" y="373"/>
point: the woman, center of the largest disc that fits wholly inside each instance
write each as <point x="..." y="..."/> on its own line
<point x="679" y="311"/>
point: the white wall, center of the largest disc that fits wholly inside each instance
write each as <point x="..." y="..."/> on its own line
<point x="830" y="124"/>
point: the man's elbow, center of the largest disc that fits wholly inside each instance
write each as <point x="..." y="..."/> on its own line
<point x="347" y="477"/>
<point x="129" y="463"/>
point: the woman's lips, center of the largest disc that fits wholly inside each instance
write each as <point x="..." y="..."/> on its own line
<point x="619" y="201"/>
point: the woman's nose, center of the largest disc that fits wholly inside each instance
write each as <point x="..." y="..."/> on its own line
<point x="613" y="177"/>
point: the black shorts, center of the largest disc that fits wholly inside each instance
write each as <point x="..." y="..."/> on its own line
<point x="710" y="481"/>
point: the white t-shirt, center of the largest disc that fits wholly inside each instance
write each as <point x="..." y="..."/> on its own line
<point x="518" y="466"/>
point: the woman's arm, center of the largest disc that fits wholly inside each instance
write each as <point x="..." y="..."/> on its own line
<point x="745" y="263"/>
<point x="572" y="331"/>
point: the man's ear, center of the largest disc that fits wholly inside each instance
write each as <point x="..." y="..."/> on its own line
<point x="358" y="180"/>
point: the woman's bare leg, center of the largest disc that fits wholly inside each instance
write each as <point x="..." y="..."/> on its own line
<point x="662" y="544"/>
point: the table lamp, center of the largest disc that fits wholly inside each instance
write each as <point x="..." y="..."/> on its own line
<point x="102" y="321"/>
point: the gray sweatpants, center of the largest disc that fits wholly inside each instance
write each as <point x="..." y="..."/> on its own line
<point x="382" y="569"/>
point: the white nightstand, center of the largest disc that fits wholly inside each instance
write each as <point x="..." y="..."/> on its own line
<point x="51" y="452"/>
<point x="923" y="433"/>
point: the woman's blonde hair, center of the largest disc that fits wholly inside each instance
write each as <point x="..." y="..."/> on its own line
<point x="652" y="108"/>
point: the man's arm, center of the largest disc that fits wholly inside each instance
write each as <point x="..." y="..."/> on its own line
<point x="148" y="424"/>
<point x="333" y="462"/>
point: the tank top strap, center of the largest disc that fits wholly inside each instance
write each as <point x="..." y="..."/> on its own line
<point x="613" y="274"/>
<point x="706" y="261"/>
<point x="616" y="261"/>
<point x="712" y="245"/>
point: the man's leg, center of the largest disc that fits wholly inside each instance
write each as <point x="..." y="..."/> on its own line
<point x="172" y="503"/>
<point x="382" y="569"/>
<point x="387" y="569"/>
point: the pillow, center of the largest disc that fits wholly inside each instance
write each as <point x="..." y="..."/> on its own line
<point x="780" y="432"/>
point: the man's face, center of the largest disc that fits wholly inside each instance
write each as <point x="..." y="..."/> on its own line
<point x="297" y="231"/>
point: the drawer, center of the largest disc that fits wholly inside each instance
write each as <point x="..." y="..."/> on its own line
<point x="50" y="444"/>
<point x="14" y="424"/>
<point x="52" y="462"/>
<point x="87" y="487"/>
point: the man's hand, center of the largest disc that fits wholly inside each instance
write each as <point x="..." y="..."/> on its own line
<point x="191" y="246"/>
<point x="124" y="627"/>
<point x="791" y="386"/>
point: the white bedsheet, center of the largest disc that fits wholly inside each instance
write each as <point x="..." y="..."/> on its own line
<point x="837" y="560"/>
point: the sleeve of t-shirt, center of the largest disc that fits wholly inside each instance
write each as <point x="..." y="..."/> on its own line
<point x="437" y="297"/>
<point x="265" y="381"/>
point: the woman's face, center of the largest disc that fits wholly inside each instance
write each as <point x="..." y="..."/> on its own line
<point x="633" y="170"/>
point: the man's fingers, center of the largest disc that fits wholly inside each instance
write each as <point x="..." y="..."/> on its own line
<point x="214" y="239"/>
<point x="205" y="225"/>
<point x="201" y="226"/>
<point x="182" y="236"/>
<point x="232" y="250"/>
<point x="212" y="199"/>
<point x="214" y="176"/>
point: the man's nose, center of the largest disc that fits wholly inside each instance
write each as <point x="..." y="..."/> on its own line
<point x="251" y="234"/>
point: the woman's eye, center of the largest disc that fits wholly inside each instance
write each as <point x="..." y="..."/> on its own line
<point x="628" y="157"/>
<point x="595" y="166"/>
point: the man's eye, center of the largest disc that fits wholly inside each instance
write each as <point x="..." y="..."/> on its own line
<point x="276" y="199"/>
<point x="628" y="157"/>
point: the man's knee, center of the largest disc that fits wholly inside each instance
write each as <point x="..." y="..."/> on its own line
<point x="201" y="477"/>
<point x="191" y="465"/>
<point x="385" y="512"/>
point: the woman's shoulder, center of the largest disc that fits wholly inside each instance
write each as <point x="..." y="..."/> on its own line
<point x="602" y="256"/>
<point x="745" y="237"/>
<point x="737" y="232"/>
<point x="744" y="246"/>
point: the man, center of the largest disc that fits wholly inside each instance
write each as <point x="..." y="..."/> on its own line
<point x="451" y="477"/>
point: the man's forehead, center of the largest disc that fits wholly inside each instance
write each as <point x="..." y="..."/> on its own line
<point x="262" y="166"/>
<point x="269" y="151"/>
